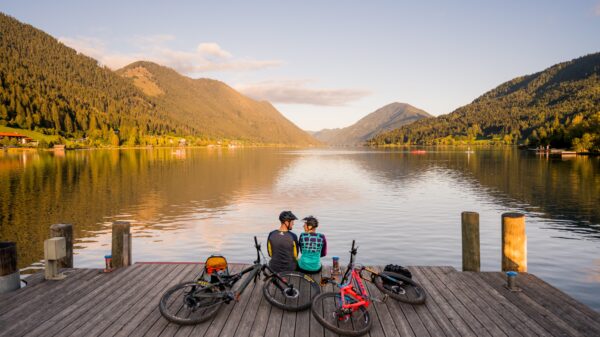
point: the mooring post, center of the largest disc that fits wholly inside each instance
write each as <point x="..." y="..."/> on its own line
<point x="121" y="244"/>
<point x="470" y="241"/>
<point x="514" y="242"/>
<point x="65" y="231"/>
<point x="9" y="274"/>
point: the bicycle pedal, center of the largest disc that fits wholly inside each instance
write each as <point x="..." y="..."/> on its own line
<point x="385" y="298"/>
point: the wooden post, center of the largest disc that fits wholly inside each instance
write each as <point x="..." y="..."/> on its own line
<point x="470" y="241"/>
<point x="514" y="242"/>
<point x="121" y="244"/>
<point x="65" y="231"/>
<point x="9" y="274"/>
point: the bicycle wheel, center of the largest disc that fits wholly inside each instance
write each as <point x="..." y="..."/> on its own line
<point x="400" y="287"/>
<point x="327" y="309"/>
<point x="190" y="303"/>
<point x="295" y="294"/>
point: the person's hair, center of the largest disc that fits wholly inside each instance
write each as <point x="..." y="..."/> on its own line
<point x="286" y="216"/>
<point x="311" y="221"/>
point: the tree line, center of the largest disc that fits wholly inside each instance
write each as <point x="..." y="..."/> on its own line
<point x="559" y="107"/>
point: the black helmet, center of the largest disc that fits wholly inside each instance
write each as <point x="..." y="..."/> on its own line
<point x="311" y="221"/>
<point x="286" y="216"/>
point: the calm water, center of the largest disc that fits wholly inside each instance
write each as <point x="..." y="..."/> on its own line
<point x="400" y="207"/>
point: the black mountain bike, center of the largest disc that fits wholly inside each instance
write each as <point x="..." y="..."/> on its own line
<point x="197" y="301"/>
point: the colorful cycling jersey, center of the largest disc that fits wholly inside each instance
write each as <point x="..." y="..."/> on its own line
<point x="313" y="247"/>
<point x="283" y="250"/>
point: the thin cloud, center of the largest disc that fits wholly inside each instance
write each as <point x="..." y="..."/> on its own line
<point x="297" y="92"/>
<point x="597" y="9"/>
<point x="213" y="49"/>
<point x="207" y="57"/>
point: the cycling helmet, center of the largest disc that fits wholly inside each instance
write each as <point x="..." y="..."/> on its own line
<point x="286" y="216"/>
<point x="311" y="221"/>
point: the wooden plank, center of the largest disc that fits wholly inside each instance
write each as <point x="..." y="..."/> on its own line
<point x="437" y="315"/>
<point x="66" y="314"/>
<point x="584" y="309"/>
<point x="288" y="320"/>
<point x="517" y="318"/>
<point x="121" y="306"/>
<point x="302" y="323"/>
<point x="552" y="323"/>
<point x="231" y="325"/>
<point x="113" y="297"/>
<point x="262" y="317"/>
<point x="249" y="315"/>
<point x="34" y="297"/>
<point x="558" y="305"/>
<point x="274" y="322"/>
<point x="383" y="320"/>
<point x="479" y="308"/>
<point x="210" y="328"/>
<point x="53" y="309"/>
<point x="128" y="320"/>
<point x="315" y="328"/>
<point x="43" y="308"/>
<point x="453" y="306"/>
<point x="154" y="317"/>
<point x="423" y="312"/>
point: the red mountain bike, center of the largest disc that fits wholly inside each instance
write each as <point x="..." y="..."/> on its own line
<point x="347" y="312"/>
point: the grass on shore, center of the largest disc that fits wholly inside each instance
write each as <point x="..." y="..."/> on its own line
<point x="31" y="134"/>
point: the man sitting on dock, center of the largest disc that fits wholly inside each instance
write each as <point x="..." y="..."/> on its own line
<point x="282" y="244"/>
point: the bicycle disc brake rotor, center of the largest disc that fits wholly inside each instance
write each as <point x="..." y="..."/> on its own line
<point x="398" y="290"/>
<point x="291" y="293"/>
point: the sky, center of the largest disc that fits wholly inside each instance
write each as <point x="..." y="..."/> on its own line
<point x="326" y="64"/>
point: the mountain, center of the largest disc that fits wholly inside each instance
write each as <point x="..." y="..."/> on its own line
<point x="386" y="118"/>
<point x="559" y="106"/>
<point x="212" y="107"/>
<point x="50" y="88"/>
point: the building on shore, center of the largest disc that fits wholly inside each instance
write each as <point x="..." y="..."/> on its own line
<point x="22" y="139"/>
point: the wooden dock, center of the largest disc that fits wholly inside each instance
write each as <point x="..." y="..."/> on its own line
<point x="124" y="303"/>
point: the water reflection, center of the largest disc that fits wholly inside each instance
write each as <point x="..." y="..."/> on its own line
<point x="401" y="207"/>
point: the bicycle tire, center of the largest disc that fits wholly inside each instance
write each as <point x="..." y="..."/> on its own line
<point x="322" y="307"/>
<point x="403" y="289"/>
<point x="174" y="307"/>
<point x="299" y="298"/>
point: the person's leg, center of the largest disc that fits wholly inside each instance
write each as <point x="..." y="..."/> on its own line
<point x="309" y="272"/>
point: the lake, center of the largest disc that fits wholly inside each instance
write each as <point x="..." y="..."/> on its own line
<point x="400" y="207"/>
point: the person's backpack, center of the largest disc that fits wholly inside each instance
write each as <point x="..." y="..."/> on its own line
<point x="215" y="264"/>
<point x="394" y="268"/>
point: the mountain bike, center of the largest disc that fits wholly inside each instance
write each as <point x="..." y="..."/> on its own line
<point x="198" y="301"/>
<point x="347" y="312"/>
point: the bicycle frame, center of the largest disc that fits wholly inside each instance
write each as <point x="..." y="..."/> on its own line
<point x="359" y="299"/>
<point x="348" y="291"/>
<point x="256" y="269"/>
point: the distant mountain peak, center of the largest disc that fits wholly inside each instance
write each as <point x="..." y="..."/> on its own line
<point x="386" y="118"/>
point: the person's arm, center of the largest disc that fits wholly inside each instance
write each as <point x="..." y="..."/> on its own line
<point x="269" y="249"/>
<point x="295" y="248"/>
<point x="324" y="249"/>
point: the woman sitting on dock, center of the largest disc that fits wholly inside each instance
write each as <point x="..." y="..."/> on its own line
<point x="313" y="246"/>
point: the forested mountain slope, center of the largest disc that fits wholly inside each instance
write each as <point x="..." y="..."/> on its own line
<point x="558" y="106"/>
<point x="50" y="88"/>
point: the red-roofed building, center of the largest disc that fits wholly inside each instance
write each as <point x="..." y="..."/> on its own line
<point x="13" y="135"/>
